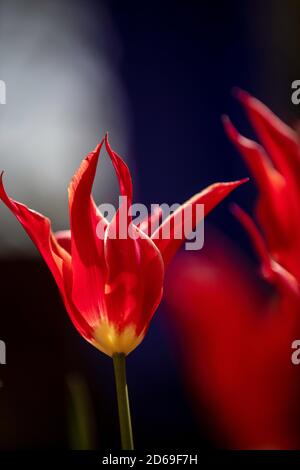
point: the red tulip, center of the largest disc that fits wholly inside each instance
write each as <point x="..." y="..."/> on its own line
<point x="236" y="330"/>
<point x="111" y="286"/>
<point x="276" y="168"/>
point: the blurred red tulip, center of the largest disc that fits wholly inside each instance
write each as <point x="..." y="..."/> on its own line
<point x="276" y="169"/>
<point x="236" y="330"/>
<point x="110" y="285"/>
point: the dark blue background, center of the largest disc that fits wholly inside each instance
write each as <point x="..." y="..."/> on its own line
<point x="180" y="60"/>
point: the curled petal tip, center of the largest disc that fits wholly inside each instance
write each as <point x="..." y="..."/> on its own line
<point x="225" y="118"/>
<point x="236" y="182"/>
<point x="240" y="94"/>
<point x="240" y="215"/>
<point x="107" y="144"/>
<point x="2" y="189"/>
<point x="106" y="138"/>
<point x="227" y="124"/>
<point x="244" y="180"/>
<point x="229" y="128"/>
<point x="242" y="143"/>
<point x="235" y="210"/>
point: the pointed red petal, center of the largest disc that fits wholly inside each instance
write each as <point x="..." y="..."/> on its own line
<point x="88" y="264"/>
<point x="254" y="156"/>
<point x="122" y="217"/>
<point x="256" y="238"/>
<point x="271" y="270"/>
<point x="58" y="260"/>
<point x="122" y="171"/>
<point x="210" y="197"/>
<point x="272" y="204"/>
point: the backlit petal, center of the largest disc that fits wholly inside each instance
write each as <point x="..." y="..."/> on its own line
<point x="88" y="264"/>
<point x="187" y="214"/>
<point x="58" y="260"/>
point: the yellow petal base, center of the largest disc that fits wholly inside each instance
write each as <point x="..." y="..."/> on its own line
<point x="110" y="341"/>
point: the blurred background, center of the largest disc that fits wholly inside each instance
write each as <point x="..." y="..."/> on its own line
<point x="158" y="76"/>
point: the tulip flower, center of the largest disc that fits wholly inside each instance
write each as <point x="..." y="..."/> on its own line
<point x="276" y="168"/>
<point x="237" y="326"/>
<point x="110" y="285"/>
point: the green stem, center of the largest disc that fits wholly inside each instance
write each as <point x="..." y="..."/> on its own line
<point x="123" y="401"/>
